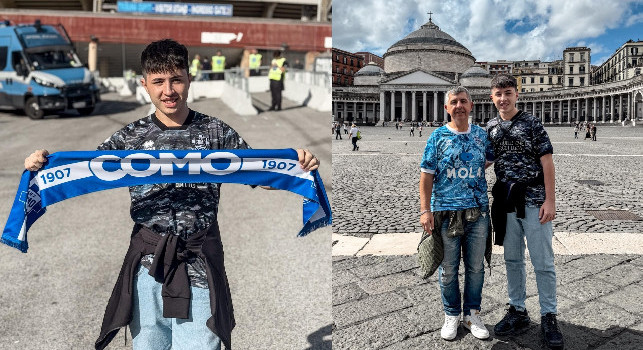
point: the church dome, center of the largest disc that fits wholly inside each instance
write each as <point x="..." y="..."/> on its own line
<point x="370" y="69"/>
<point x="476" y="76"/>
<point x="476" y="71"/>
<point x="370" y="74"/>
<point x="431" y="49"/>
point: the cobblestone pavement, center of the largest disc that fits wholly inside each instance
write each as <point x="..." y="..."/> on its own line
<point x="380" y="303"/>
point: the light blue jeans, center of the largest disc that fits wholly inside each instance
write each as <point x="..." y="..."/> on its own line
<point x="472" y="244"/>
<point x="151" y="331"/>
<point x="539" y="241"/>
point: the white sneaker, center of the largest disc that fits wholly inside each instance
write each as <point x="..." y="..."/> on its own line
<point x="450" y="327"/>
<point x="474" y="323"/>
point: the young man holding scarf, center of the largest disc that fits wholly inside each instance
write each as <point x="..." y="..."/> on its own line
<point x="194" y="309"/>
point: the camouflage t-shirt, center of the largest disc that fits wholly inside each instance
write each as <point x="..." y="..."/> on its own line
<point x="179" y="209"/>
<point x="518" y="145"/>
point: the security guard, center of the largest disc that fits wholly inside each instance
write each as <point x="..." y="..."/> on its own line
<point x="276" y="77"/>
<point x="254" y="62"/>
<point x="218" y="66"/>
<point x="195" y="68"/>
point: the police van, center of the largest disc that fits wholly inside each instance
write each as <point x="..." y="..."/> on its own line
<point x="41" y="73"/>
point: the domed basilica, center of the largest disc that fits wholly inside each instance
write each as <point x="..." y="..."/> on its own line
<point x="420" y="68"/>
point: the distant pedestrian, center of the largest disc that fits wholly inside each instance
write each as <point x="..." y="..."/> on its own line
<point x="593" y="132"/>
<point x="587" y="132"/>
<point x="412" y="130"/>
<point x="338" y="131"/>
<point x="354" y="137"/>
<point x="345" y="129"/>
<point x="576" y="128"/>
<point x="397" y="125"/>
<point x="276" y="77"/>
<point x="420" y="130"/>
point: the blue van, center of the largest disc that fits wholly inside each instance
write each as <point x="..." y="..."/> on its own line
<point x="41" y="73"/>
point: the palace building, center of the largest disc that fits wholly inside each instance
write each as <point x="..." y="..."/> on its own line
<point x="421" y="67"/>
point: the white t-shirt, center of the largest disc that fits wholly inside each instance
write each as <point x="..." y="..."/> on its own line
<point x="354" y="131"/>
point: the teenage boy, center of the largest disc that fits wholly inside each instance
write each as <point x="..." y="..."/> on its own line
<point x="202" y="317"/>
<point x="524" y="207"/>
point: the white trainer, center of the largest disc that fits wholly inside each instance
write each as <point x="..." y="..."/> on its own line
<point x="450" y="327"/>
<point x="474" y="323"/>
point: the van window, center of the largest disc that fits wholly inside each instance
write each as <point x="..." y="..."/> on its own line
<point x="3" y="57"/>
<point x="16" y="57"/>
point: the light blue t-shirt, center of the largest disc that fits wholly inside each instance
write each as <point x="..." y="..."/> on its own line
<point x="457" y="160"/>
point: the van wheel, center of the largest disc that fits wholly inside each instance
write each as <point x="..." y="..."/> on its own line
<point x="85" y="111"/>
<point x="32" y="109"/>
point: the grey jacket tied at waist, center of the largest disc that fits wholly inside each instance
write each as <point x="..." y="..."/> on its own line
<point x="434" y="251"/>
<point x="169" y="268"/>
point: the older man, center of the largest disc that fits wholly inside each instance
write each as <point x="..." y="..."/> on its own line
<point x="454" y="204"/>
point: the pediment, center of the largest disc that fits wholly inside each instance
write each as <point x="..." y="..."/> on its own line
<point x="419" y="77"/>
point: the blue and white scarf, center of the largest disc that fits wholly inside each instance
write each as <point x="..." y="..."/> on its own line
<point x="71" y="174"/>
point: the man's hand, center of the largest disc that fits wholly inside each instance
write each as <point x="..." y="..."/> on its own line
<point x="426" y="220"/>
<point x="35" y="161"/>
<point x="307" y="160"/>
<point x="547" y="211"/>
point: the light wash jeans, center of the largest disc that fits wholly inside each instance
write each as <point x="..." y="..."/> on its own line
<point x="473" y="244"/>
<point x="151" y="331"/>
<point x="539" y="241"/>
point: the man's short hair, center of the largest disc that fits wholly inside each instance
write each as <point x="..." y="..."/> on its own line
<point x="164" y="56"/>
<point x="502" y="81"/>
<point x="456" y="90"/>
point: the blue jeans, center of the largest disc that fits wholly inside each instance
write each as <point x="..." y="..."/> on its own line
<point x="539" y="240"/>
<point x="151" y="331"/>
<point x="472" y="244"/>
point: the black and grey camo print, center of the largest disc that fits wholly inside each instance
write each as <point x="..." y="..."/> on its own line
<point x="518" y="145"/>
<point x="180" y="209"/>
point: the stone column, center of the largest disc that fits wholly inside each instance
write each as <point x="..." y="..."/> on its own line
<point x="423" y="106"/>
<point x="560" y="111"/>
<point x="595" y="108"/>
<point x="345" y="110"/>
<point x="542" y="107"/>
<point x="611" y="108"/>
<point x="586" y="108"/>
<point x="551" y="112"/>
<point x="569" y="109"/>
<point x="413" y="114"/>
<point x="393" y="105"/>
<point x="355" y="114"/>
<point x="435" y="106"/>
<point x="629" y="107"/>
<point x="403" y="116"/>
<point x="620" y="107"/>
<point x="603" y="109"/>
<point x="382" y="107"/>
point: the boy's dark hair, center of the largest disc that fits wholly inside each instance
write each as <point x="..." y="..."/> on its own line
<point x="501" y="81"/>
<point x="164" y="56"/>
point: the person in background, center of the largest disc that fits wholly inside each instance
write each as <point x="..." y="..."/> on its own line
<point x="195" y="68"/>
<point x="354" y="131"/>
<point x="254" y="62"/>
<point x="218" y="66"/>
<point x="276" y="76"/>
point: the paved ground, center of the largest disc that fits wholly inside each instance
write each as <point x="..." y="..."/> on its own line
<point x="54" y="296"/>
<point x="380" y="303"/>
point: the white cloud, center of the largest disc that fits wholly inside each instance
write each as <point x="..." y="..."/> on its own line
<point x="490" y="29"/>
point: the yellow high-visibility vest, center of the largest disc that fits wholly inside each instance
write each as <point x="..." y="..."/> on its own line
<point x="255" y="60"/>
<point x="218" y="63"/>
<point x="195" y="68"/>
<point x="275" y="72"/>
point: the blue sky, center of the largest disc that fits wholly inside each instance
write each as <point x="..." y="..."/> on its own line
<point x="493" y="29"/>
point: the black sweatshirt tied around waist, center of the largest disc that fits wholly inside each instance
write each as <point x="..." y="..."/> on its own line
<point x="169" y="268"/>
